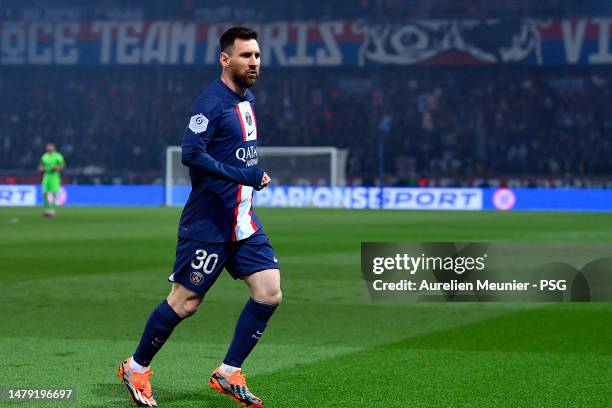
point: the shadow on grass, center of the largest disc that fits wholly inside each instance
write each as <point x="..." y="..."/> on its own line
<point x="116" y="395"/>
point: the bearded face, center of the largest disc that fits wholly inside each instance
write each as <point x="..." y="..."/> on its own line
<point x="245" y="79"/>
<point x="244" y="62"/>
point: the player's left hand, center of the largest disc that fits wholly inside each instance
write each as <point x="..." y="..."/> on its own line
<point x="265" y="181"/>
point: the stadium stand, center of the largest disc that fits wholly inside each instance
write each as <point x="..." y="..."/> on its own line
<point x="435" y="122"/>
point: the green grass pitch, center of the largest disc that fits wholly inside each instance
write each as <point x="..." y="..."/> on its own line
<point x="75" y="292"/>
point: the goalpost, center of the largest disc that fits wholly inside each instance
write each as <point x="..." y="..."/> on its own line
<point x="296" y="166"/>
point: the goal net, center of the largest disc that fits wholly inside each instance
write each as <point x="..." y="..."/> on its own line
<point x="288" y="166"/>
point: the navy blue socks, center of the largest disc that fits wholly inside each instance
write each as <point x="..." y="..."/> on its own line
<point x="251" y="325"/>
<point x="249" y="328"/>
<point x="158" y="329"/>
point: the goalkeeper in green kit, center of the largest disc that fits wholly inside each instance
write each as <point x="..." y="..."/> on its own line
<point x="51" y="163"/>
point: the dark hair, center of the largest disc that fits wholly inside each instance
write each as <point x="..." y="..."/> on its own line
<point x="229" y="36"/>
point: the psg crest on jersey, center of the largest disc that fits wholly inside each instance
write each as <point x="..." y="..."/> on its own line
<point x="196" y="278"/>
<point x="249" y="118"/>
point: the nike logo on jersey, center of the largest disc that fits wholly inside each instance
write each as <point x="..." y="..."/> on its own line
<point x="275" y="260"/>
<point x="251" y="132"/>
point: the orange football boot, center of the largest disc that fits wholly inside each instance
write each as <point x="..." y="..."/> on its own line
<point x="234" y="386"/>
<point x="138" y="384"/>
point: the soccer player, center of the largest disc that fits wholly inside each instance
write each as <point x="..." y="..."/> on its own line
<point x="51" y="163"/>
<point x="218" y="227"/>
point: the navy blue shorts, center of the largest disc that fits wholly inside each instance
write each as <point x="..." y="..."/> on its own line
<point x="199" y="264"/>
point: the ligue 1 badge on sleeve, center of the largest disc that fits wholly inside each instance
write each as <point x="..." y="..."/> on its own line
<point x="198" y="123"/>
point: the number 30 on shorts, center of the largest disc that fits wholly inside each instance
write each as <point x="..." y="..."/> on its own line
<point x="205" y="261"/>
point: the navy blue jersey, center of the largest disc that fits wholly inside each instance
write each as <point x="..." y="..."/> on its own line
<point x="220" y="148"/>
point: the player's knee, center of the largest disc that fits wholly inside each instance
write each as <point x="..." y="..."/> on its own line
<point x="271" y="297"/>
<point x="190" y="307"/>
<point x="276" y="298"/>
<point x="184" y="301"/>
<point x="184" y="307"/>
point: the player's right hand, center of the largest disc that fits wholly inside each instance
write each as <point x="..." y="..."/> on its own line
<point x="265" y="181"/>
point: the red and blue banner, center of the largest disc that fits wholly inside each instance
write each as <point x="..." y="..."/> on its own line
<point x="530" y="41"/>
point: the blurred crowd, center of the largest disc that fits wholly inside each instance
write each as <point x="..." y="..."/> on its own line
<point x="407" y="123"/>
